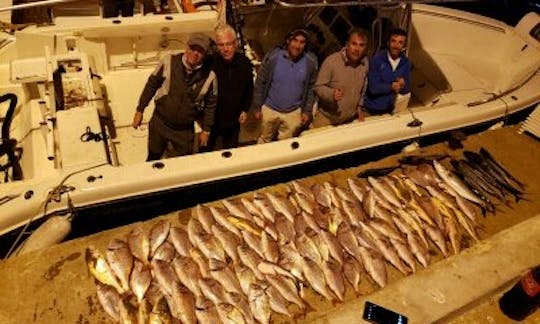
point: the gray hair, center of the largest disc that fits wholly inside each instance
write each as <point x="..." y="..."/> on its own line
<point x="225" y="28"/>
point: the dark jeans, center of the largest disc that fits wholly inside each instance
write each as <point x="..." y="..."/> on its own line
<point x="159" y="135"/>
<point x="111" y="8"/>
<point x="223" y="138"/>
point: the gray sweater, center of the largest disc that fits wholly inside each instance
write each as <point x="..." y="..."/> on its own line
<point x="336" y="73"/>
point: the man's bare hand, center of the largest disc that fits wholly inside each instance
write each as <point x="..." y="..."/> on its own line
<point x="242" y="118"/>
<point x="396" y="86"/>
<point x="338" y="94"/>
<point x="203" y="138"/>
<point x="137" y="119"/>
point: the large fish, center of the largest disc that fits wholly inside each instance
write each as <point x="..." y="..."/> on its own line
<point x="100" y="269"/>
<point x="139" y="244"/>
<point x="158" y="235"/>
<point x="497" y="166"/>
<point x="456" y="183"/>
<point x="120" y="260"/>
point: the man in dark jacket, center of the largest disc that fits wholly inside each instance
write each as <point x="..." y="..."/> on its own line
<point x="389" y="75"/>
<point x="235" y="88"/>
<point x="283" y="96"/>
<point x="185" y="89"/>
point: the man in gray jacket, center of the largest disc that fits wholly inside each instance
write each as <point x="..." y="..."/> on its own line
<point x="341" y="83"/>
<point x="186" y="90"/>
<point x="283" y="96"/>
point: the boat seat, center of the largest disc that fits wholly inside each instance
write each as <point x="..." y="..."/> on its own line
<point x="78" y="147"/>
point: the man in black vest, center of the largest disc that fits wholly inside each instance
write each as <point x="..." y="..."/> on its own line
<point x="185" y="89"/>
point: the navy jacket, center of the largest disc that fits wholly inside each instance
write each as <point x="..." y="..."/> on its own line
<point x="379" y="95"/>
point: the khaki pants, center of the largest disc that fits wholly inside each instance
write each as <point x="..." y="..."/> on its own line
<point x="284" y="124"/>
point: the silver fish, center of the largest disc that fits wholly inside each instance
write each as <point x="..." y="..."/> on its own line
<point x="332" y="273"/>
<point x="164" y="274"/>
<point x="264" y="205"/>
<point x="250" y="259"/>
<point x="270" y="247"/>
<point x="237" y="209"/>
<point x="158" y="235"/>
<point x="456" y="183"/>
<point x="374" y="266"/>
<point x="315" y="277"/>
<point x="180" y="239"/>
<point x="259" y="303"/>
<point x="287" y="289"/>
<point x="206" y="311"/>
<point x="201" y="261"/>
<point x="165" y="252"/>
<point x="109" y="299"/>
<point x="228" y="241"/>
<point x="139" y="244"/>
<point x="188" y="272"/>
<point x="140" y="280"/>
<point x="182" y="304"/>
<point x="220" y="216"/>
<point x="351" y="271"/>
<point x="253" y="242"/>
<point x="225" y="275"/>
<point x="204" y="215"/>
<point x="120" y="260"/>
<point x="282" y="206"/>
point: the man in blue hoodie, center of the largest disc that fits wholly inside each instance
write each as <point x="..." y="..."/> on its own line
<point x="388" y="76"/>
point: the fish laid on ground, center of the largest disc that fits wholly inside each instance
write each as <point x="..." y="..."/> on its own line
<point x="244" y="225"/>
<point x="418" y="249"/>
<point x="307" y="248"/>
<point x="285" y="229"/>
<point x="206" y="311"/>
<point x="286" y="288"/>
<point x="139" y="244"/>
<point x="334" y="198"/>
<point x="322" y="196"/>
<point x="456" y="183"/>
<point x="386" y="249"/>
<point x="250" y="259"/>
<point x="158" y="234"/>
<point x="221" y="215"/>
<point x="228" y="241"/>
<point x="260" y="305"/>
<point x="334" y="278"/>
<point x="180" y="239"/>
<point x="374" y="266"/>
<point x="143" y="313"/>
<point x="290" y="260"/>
<point x="302" y="189"/>
<point x="283" y="206"/>
<point x="140" y="280"/>
<point x="237" y="209"/>
<point x="188" y="272"/>
<point x="277" y="302"/>
<point x="160" y="312"/>
<point x="404" y="253"/>
<point x="165" y="252"/>
<point x="270" y="247"/>
<point x="386" y="229"/>
<point x="221" y="272"/>
<point x="100" y="269"/>
<point x="357" y="188"/>
<point x="334" y="247"/>
<point x="354" y="212"/>
<point x="209" y="246"/>
<point x="315" y="278"/>
<point x="305" y="203"/>
<point x="182" y="304"/>
<point x="201" y="261"/>
<point x="264" y="205"/>
<point x="351" y="271"/>
<point x="212" y="290"/>
<point x="242" y="303"/>
<point x="164" y="274"/>
<point x="245" y="277"/>
<point x="273" y="269"/>
<point x="109" y="299"/>
<point x="385" y="192"/>
<point x="252" y="208"/>
<point x="229" y="314"/>
<point x="120" y="260"/>
<point x="253" y="242"/>
<point x="437" y="237"/>
<point x="127" y="311"/>
<point x="194" y="230"/>
<point x="204" y="215"/>
<point x="347" y="239"/>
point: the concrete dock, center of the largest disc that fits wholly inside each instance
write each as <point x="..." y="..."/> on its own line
<point x="53" y="285"/>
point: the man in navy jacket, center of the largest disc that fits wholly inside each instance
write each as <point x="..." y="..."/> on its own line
<point x="389" y="75"/>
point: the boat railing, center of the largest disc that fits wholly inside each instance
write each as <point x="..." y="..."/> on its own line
<point x="382" y="3"/>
